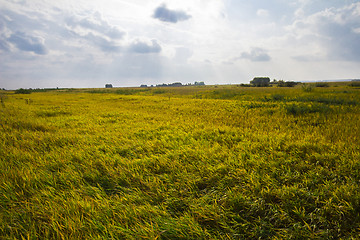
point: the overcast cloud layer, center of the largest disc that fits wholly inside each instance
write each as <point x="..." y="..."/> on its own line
<point x="90" y="43"/>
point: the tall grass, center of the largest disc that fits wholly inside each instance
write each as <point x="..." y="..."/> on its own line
<point x="235" y="163"/>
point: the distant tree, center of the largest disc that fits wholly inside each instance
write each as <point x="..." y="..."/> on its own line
<point x="23" y="91"/>
<point x="307" y="87"/>
<point x="175" y="84"/>
<point x="108" y="85"/>
<point x="260" y="82"/>
<point x="281" y="83"/>
<point x="321" y="84"/>
<point x="273" y="82"/>
<point x="354" y="84"/>
<point x="291" y="84"/>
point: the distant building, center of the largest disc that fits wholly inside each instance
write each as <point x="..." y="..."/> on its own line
<point x="108" y="85"/>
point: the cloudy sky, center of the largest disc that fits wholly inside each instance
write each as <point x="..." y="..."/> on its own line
<point x="88" y="43"/>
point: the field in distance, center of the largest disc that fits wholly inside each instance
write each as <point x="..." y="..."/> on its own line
<point x="197" y="162"/>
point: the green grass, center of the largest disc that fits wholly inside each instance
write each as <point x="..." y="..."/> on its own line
<point x="213" y="162"/>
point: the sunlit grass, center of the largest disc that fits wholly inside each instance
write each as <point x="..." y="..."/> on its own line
<point x="215" y="162"/>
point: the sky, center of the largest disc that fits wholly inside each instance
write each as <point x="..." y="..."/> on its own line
<point x="89" y="43"/>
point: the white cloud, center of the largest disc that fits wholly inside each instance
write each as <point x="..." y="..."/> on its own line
<point x="262" y="13"/>
<point x="142" y="47"/>
<point x="332" y="30"/>
<point x="182" y="55"/>
<point x="95" y="24"/>
<point x="356" y="30"/>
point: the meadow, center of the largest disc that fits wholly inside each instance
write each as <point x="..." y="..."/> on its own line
<point x="197" y="162"/>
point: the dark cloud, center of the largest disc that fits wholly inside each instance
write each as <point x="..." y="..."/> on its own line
<point x="143" y="47"/>
<point x="166" y="15"/>
<point x="256" y="55"/>
<point x="28" y="43"/>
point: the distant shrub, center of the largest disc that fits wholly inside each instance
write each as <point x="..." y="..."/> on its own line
<point x="44" y="89"/>
<point x="277" y="97"/>
<point x="98" y="91"/>
<point x="287" y="84"/>
<point x="321" y="85"/>
<point x="307" y="87"/>
<point x="125" y="91"/>
<point x="325" y="100"/>
<point x="301" y="109"/>
<point x="355" y="84"/>
<point x="273" y="97"/>
<point x="30" y="126"/>
<point x="159" y="91"/>
<point x="121" y="91"/>
<point x="23" y="91"/>
<point x="224" y="94"/>
<point x="52" y="113"/>
<point x="265" y="99"/>
<point x="335" y="101"/>
<point x="254" y="105"/>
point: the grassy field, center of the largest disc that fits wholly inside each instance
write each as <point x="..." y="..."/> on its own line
<point x="209" y="162"/>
